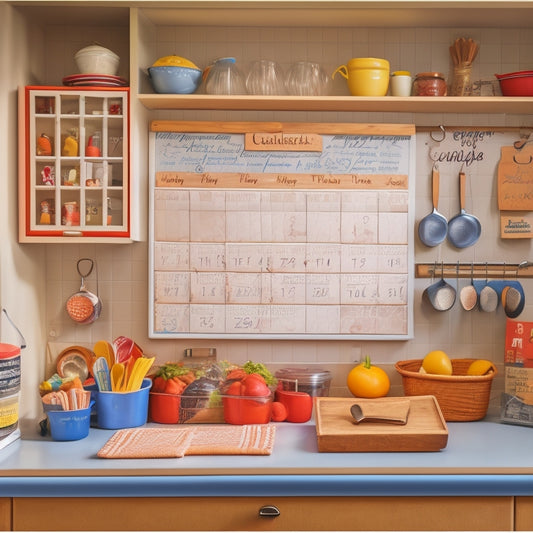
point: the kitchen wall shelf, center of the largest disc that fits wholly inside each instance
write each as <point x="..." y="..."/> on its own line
<point x="476" y="270"/>
<point x="74" y="172"/>
<point x="413" y="104"/>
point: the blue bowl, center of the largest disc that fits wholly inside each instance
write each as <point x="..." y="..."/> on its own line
<point x="118" y="410"/>
<point x="69" y="425"/>
<point x="175" y="80"/>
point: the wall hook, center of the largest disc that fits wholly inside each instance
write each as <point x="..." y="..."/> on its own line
<point x="443" y="134"/>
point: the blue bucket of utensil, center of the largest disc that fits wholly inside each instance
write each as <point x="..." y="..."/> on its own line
<point x="119" y="410"/>
<point x="69" y="425"/>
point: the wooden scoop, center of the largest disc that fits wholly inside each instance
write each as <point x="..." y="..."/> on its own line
<point x="390" y="413"/>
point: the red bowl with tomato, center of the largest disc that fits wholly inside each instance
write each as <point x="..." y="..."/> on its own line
<point x="242" y="410"/>
<point x="164" y="408"/>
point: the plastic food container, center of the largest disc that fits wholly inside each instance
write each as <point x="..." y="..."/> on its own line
<point x="183" y="409"/>
<point x="118" y="410"/>
<point x="9" y="415"/>
<point x="314" y="381"/>
<point x="9" y="369"/>
<point x="96" y="59"/>
<point x="516" y="83"/>
<point x="69" y="425"/>
<point x="430" y="84"/>
<point x="241" y="410"/>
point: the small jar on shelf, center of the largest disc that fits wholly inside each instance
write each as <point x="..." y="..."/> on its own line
<point x="429" y="84"/>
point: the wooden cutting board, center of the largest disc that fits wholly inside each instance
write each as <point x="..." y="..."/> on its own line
<point x="425" y="430"/>
<point x="515" y="179"/>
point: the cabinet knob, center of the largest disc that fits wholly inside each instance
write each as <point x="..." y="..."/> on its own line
<point x="269" y="511"/>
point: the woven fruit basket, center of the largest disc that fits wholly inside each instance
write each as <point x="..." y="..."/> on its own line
<point x="461" y="398"/>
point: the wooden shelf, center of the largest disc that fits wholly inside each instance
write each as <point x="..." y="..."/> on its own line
<point x="387" y="104"/>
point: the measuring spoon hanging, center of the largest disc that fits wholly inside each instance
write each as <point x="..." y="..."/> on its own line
<point x="440" y="294"/>
<point x="433" y="228"/>
<point x="84" y="307"/>
<point x="488" y="296"/>
<point x="513" y="297"/>
<point x="468" y="295"/>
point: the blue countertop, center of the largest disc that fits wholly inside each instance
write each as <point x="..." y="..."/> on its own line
<point x="484" y="458"/>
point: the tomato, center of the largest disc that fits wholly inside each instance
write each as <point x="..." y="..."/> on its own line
<point x="235" y="389"/>
<point x="480" y="367"/>
<point x="236" y="373"/>
<point x="254" y="385"/>
<point x="368" y="381"/>
<point x="174" y="386"/>
<point x="437" y="362"/>
<point x="279" y="412"/>
<point x="158" y="384"/>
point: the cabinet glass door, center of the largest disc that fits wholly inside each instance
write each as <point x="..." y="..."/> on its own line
<point x="77" y="175"/>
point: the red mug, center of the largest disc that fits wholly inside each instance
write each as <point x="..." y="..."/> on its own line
<point x="299" y="405"/>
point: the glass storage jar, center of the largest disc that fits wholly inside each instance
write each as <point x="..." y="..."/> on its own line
<point x="429" y="84"/>
<point x="314" y="381"/>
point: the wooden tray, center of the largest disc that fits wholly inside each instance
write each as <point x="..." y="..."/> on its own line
<point x="425" y="431"/>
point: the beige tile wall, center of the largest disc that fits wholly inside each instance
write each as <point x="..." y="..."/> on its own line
<point x="122" y="270"/>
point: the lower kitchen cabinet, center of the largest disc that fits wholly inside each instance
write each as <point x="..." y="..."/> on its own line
<point x="295" y="513"/>
<point x="5" y="514"/>
<point x="524" y="513"/>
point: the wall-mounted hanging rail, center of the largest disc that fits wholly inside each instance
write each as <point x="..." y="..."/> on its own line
<point x="476" y="270"/>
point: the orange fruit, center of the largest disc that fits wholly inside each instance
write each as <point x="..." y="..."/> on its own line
<point x="437" y="362"/>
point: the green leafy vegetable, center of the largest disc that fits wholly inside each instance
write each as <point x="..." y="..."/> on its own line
<point x="259" y="368"/>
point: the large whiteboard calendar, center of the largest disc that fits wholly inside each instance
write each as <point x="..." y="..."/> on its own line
<point x="301" y="232"/>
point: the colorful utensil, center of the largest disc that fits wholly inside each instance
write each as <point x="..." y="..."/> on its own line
<point x="101" y="374"/>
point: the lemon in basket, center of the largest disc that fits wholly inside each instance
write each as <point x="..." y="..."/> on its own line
<point x="436" y="362"/>
<point x="174" y="61"/>
<point x="480" y="367"/>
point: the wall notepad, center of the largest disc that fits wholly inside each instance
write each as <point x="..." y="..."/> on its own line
<point x="281" y="230"/>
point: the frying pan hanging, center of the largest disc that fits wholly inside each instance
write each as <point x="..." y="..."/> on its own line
<point x="84" y="307"/>
<point x="434" y="226"/>
<point x="463" y="229"/>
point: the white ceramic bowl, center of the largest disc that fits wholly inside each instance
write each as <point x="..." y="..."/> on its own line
<point x="96" y="59"/>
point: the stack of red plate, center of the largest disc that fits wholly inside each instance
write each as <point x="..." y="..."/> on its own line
<point x="94" y="80"/>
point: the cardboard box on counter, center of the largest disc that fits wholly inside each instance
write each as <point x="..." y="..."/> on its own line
<point x="517" y="400"/>
<point x="519" y="344"/>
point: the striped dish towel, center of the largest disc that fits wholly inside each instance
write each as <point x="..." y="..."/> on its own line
<point x="150" y="443"/>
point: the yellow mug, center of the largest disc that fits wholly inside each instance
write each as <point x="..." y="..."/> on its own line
<point x="366" y="76"/>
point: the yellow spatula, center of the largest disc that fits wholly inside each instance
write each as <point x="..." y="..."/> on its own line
<point x="105" y="349"/>
<point x="139" y="371"/>
<point x="117" y="377"/>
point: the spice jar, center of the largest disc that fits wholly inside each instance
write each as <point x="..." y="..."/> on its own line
<point x="429" y="84"/>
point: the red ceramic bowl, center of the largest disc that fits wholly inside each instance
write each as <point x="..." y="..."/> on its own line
<point x="516" y="83"/>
